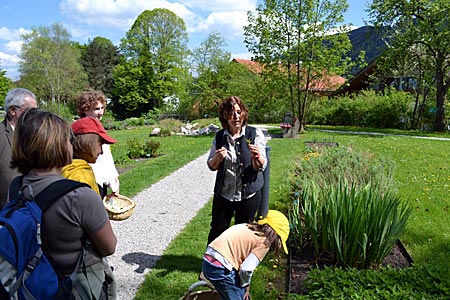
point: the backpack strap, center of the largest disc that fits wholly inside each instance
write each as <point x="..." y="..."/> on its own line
<point x="15" y="186"/>
<point x="56" y="190"/>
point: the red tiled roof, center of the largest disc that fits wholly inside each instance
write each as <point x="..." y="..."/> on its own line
<point x="325" y="84"/>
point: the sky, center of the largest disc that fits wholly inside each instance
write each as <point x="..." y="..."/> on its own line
<point x="86" y="19"/>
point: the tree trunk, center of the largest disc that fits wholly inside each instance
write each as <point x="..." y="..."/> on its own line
<point x="439" y="123"/>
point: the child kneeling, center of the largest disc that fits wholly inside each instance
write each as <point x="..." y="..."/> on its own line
<point x="231" y="259"/>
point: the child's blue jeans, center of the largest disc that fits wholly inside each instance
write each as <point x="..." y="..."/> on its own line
<point x="226" y="282"/>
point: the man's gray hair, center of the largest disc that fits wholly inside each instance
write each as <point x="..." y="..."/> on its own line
<point x="16" y="97"/>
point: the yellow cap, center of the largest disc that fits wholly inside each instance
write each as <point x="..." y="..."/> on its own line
<point x="279" y="223"/>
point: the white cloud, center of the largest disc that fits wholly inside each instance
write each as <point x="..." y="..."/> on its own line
<point x="229" y="23"/>
<point x="116" y="14"/>
<point x="221" y="5"/>
<point x="11" y="35"/>
<point x="14" y="47"/>
<point x="9" y="64"/>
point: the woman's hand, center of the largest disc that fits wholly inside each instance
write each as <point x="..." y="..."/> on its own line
<point x="219" y="155"/>
<point x="257" y="160"/>
<point x="254" y="151"/>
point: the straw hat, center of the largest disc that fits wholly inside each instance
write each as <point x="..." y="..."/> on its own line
<point x="279" y="223"/>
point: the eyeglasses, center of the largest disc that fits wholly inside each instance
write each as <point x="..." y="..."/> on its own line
<point x="18" y="107"/>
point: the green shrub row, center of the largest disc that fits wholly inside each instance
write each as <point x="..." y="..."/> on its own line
<point x="394" y="109"/>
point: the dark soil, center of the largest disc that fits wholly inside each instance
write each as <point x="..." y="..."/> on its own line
<point x="301" y="264"/>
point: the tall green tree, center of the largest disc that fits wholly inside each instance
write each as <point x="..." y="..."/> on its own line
<point x="424" y="25"/>
<point x="155" y="58"/>
<point x="5" y="85"/>
<point x="99" y="58"/>
<point x="50" y="64"/>
<point x="209" y="63"/>
<point x="299" y="43"/>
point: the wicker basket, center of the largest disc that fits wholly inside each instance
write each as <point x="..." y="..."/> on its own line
<point x="192" y="294"/>
<point x="119" y="207"/>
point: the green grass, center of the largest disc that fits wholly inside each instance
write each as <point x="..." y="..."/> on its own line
<point x="422" y="178"/>
<point x="176" y="151"/>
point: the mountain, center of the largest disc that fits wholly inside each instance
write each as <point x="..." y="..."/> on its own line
<point x="368" y="39"/>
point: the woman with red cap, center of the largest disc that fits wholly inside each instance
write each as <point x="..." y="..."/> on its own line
<point x="231" y="259"/>
<point x="89" y="136"/>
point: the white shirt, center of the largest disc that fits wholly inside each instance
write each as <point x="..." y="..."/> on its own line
<point x="104" y="169"/>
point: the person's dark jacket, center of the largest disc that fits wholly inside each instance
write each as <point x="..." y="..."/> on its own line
<point x="252" y="180"/>
<point x="6" y="173"/>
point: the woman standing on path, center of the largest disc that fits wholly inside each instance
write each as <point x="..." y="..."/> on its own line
<point x="238" y="154"/>
<point x="92" y="104"/>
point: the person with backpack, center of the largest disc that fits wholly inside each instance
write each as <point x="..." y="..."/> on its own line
<point x="238" y="154"/>
<point x="230" y="260"/>
<point x="89" y="136"/>
<point x="75" y="223"/>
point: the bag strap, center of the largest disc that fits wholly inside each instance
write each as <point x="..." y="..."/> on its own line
<point x="15" y="186"/>
<point x="56" y="190"/>
<point x="50" y="194"/>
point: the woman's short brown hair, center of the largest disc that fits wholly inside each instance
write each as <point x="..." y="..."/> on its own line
<point x="88" y="98"/>
<point x="85" y="146"/>
<point x="41" y="141"/>
<point x="226" y="109"/>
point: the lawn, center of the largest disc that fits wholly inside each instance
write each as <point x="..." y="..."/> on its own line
<point x="422" y="178"/>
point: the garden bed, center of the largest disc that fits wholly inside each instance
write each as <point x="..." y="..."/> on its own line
<point x="301" y="263"/>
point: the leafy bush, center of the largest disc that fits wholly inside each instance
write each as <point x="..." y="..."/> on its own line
<point x="345" y="206"/>
<point x="171" y="125"/>
<point x="137" y="149"/>
<point x="152" y="148"/>
<point x="327" y="165"/>
<point x="368" y="109"/>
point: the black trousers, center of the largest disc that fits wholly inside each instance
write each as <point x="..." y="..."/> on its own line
<point x="103" y="190"/>
<point x="223" y="210"/>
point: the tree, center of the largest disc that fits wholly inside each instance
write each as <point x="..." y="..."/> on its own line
<point x="424" y="25"/>
<point x="155" y="52"/>
<point x="209" y="62"/>
<point x="5" y="85"/>
<point x="50" y="65"/>
<point x="99" y="58"/>
<point x="299" y="43"/>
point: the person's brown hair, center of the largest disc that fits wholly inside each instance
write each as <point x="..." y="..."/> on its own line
<point x="85" y="146"/>
<point x="87" y="99"/>
<point x="226" y="109"/>
<point x="41" y="141"/>
<point x="272" y="241"/>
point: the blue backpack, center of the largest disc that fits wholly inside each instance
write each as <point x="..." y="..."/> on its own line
<point x="25" y="271"/>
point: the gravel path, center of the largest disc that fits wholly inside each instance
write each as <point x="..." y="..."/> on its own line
<point x="162" y="212"/>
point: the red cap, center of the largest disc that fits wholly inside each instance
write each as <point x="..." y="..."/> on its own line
<point x="91" y="125"/>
